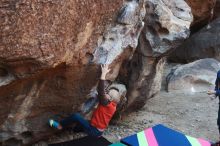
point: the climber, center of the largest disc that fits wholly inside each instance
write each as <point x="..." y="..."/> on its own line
<point x="216" y="93"/>
<point x="108" y="100"/>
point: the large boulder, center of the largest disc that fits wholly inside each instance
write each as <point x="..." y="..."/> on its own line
<point x="167" y="24"/>
<point x="203" y="44"/>
<point x="202" y="11"/>
<point x="50" y="51"/>
<point x="198" y="76"/>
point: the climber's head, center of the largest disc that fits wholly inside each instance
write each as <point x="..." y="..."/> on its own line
<point x="114" y="95"/>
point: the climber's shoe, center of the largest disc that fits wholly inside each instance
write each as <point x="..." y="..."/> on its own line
<point x="53" y="123"/>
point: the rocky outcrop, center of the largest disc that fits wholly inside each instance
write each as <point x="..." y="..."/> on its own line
<point x="44" y="34"/>
<point x="50" y="52"/>
<point x="202" y="12"/>
<point x="198" y="76"/>
<point x="166" y="26"/>
<point x="204" y="44"/>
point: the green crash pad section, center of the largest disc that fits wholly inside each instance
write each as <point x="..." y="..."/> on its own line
<point x="117" y="144"/>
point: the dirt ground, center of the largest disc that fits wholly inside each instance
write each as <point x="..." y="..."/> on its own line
<point x="194" y="115"/>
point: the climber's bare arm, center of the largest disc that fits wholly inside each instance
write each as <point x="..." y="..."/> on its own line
<point x="103" y="99"/>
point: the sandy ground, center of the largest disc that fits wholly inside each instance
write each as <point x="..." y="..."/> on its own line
<point x="194" y="115"/>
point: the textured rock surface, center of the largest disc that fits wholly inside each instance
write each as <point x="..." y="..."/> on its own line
<point x="202" y="12"/>
<point x="42" y="34"/>
<point x="203" y="44"/>
<point x="198" y="76"/>
<point x="49" y="56"/>
<point x="166" y="26"/>
<point x="50" y="52"/>
<point x="27" y="104"/>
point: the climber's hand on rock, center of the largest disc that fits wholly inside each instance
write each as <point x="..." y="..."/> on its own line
<point x="105" y="70"/>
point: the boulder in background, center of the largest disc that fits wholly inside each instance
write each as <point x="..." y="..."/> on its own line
<point x="198" y="76"/>
<point x="203" y="44"/>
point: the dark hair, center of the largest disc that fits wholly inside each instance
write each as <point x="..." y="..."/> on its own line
<point x="113" y="89"/>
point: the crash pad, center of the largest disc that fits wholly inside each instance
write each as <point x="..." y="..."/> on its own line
<point x="85" y="141"/>
<point x="161" y="135"/>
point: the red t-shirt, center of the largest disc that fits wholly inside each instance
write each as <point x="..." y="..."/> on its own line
<point x="102" y="115"/>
